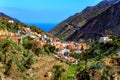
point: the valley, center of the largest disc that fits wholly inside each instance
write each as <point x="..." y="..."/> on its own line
<point x="86" y="46"/>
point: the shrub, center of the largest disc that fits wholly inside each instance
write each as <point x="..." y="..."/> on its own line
<point x="8" y="67"/>
<point x="27" y="44"/>
<point x="58" y="71"/>
<point x="26" y="53"/>
<point x="1" y="58"/>
<point x="21" y="67"/>
<point x="38" y="51"/>
<point x="0" y="78"/>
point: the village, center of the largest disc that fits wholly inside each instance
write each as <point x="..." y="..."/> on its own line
<point x="64" y="48"/>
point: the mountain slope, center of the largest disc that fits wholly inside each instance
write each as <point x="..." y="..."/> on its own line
<point x="17" y="25"/>
<point x="68" y="27"/>
<point x="100" y="5"/>
<point x="24" y="52"/>
<point x="105" y="24"/>
<point x="6" y="16"/>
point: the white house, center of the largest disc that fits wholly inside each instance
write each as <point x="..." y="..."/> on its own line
<point x="65" y="51"/>
<point x="11" y="21"/>
<point x="119" y="54"/>
<point x="45" y="38"/>
<point x="65" y="44"/>
<point x="72" y="60"/>
<point x="78" y="52"/>
<point x="104" y="39"/>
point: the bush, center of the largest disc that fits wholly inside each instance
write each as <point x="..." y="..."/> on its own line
<point x="49" y="49"/>
<point x="58" y="71"/>
<point x="75" y="55"/>
<point x="1" y="58"/>
<point x="27" y="63"/>
<point x="38" y="51"/>
<point x="27" y="44"/>
<point x="21" y="67"/>
<point x="8" y="67"/>
<point x="26" y="53"/>
<point x="0" y="78"/>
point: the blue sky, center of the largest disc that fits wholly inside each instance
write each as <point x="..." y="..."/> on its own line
<point x="44" y="11"/>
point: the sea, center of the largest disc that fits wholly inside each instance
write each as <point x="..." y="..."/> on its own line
<point x="44" y="26"/>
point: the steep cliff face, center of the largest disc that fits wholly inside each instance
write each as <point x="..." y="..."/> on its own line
<point x="70" y="26"/>
<point x="106" y="23"/>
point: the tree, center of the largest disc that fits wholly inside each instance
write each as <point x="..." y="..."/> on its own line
<point x="6" y="47"/>
<point x="39" y="51"/>
<point x="27" y="44"/>
<point x="58" y="71"/>
<point x="8" y="67"/>
<point x="49" y="49"/>
<point x="52" y="48"/>
<point x="29" y="62"/>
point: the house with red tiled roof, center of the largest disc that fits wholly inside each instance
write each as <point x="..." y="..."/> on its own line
<point x="72" y="60"/>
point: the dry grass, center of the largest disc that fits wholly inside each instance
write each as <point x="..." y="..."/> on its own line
<point x="45" y="64"/>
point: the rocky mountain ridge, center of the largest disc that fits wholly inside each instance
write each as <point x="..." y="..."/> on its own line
<point x="70" y="26"/>
<point x="105" y="24"/>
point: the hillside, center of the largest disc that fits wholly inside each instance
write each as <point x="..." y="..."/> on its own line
<point x="101" y="62"/>
<point x="6" y="16"/>
<point x="28" y="53"/>
<point x="13" y="26"/>
<point x="19" y="63"/>
<point x="70" y="26"/>
<point x="25" y="53"/>
<point x="100" y="5"/>
<point x="105" y="24"/>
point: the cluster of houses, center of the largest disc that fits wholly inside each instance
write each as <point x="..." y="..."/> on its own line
<point x="39" y="38"/>
<point x="64" y="48"/>
<point x="67" y="59"/>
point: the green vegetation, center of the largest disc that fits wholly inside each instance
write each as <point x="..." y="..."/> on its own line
<point x="33" y="45"/>
<point x="31" y="60"/>
<point x="96" y="62"/>
<point x="8" y="67"/>
<point x="100" y="62"/>
<point x="26" y="61"/>
<point x="35" y="29"/>
<point x="21" y="58"/>
<point x="58" y="71"/>
<point x="12" y="27"/>
<point x="71" y="73"/>
<point x="49" y="49"/>
<point x="91" y="62"/>
<point x="0" y="78"/>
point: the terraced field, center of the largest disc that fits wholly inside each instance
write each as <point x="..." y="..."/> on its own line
<point x="45" y="64"/>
